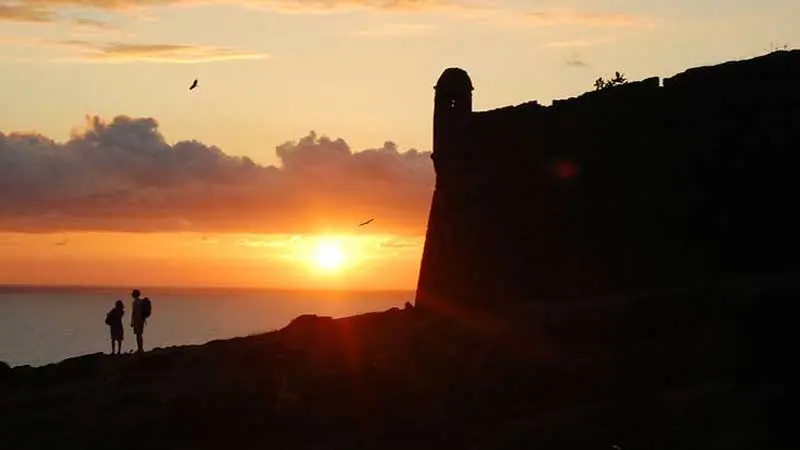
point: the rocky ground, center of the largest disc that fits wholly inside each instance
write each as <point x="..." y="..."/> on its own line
<point x="706" y="370"/>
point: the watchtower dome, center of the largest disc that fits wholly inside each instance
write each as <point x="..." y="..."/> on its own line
<point x="454" y="92"/>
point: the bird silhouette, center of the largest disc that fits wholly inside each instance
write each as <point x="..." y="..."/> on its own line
<point x="365" y="223"/>
<point x="194" y="85"/>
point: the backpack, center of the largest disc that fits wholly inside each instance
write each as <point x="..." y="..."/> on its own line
<point x="108" y="318"/>
<point x="147" y="308"/>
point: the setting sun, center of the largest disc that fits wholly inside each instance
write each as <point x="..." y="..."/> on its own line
<point x="328" y="256"/>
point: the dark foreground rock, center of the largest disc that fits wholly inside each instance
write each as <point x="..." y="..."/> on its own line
<point x="5" y="369"/>
<point x="701" y="370"/>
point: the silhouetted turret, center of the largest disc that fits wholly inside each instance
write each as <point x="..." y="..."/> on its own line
<point x="451" y="118"/>
<point x="452" y="109"/>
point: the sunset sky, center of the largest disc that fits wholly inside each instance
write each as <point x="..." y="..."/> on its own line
<point x="311" y="116"/>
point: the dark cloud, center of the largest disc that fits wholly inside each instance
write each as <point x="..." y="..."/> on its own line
<point x="123" y="176"/>
<point x="575" y="62"/>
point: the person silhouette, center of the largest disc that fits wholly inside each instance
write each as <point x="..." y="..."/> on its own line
<point x="137" y="319"/>
<point x="114" y="322"/>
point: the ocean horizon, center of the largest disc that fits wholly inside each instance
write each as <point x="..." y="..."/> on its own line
<point x="44" y="324"/>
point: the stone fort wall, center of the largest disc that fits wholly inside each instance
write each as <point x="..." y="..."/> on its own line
<point x="635" y="188"/>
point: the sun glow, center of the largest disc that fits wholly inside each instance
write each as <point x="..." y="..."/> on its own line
<point x="328" y="255"/>
<point x="281" y="261"/>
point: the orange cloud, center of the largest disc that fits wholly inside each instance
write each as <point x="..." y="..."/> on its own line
<point x="398" y="29"/>
<point x="123" y="176"/>
<point x="488" y="12"/>
<point x="601" y="19"/>
<point x="558" y="17"/>
<point x="90" y="23"/>
<point x="114" y="5"/>
<point x="322" y="6"/>
<point x="118" y="52"/>
<point x="282" y="5"/>
<point x="39" y="15"/>
<point x="131" y="52"/>
<point x="24" y="13"/>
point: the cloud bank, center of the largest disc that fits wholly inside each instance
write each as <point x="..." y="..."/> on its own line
<point x="122" y="175"/>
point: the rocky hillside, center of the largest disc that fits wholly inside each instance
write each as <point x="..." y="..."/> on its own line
<point x="636" y="373"/>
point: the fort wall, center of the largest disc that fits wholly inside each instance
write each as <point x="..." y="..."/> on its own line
<point x="633" y="188"/>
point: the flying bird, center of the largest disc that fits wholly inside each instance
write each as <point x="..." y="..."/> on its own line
<point x="194" y="85"/>
<point x="365" y="223"/>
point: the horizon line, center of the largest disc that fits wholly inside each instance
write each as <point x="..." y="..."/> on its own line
<point x="186" y="288"/>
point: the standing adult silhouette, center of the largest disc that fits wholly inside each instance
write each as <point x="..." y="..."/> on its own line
<point x="114" y="322"/>
<point x="138" y="319"/>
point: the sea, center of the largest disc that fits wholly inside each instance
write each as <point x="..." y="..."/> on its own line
<point x="42" y="325"/>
